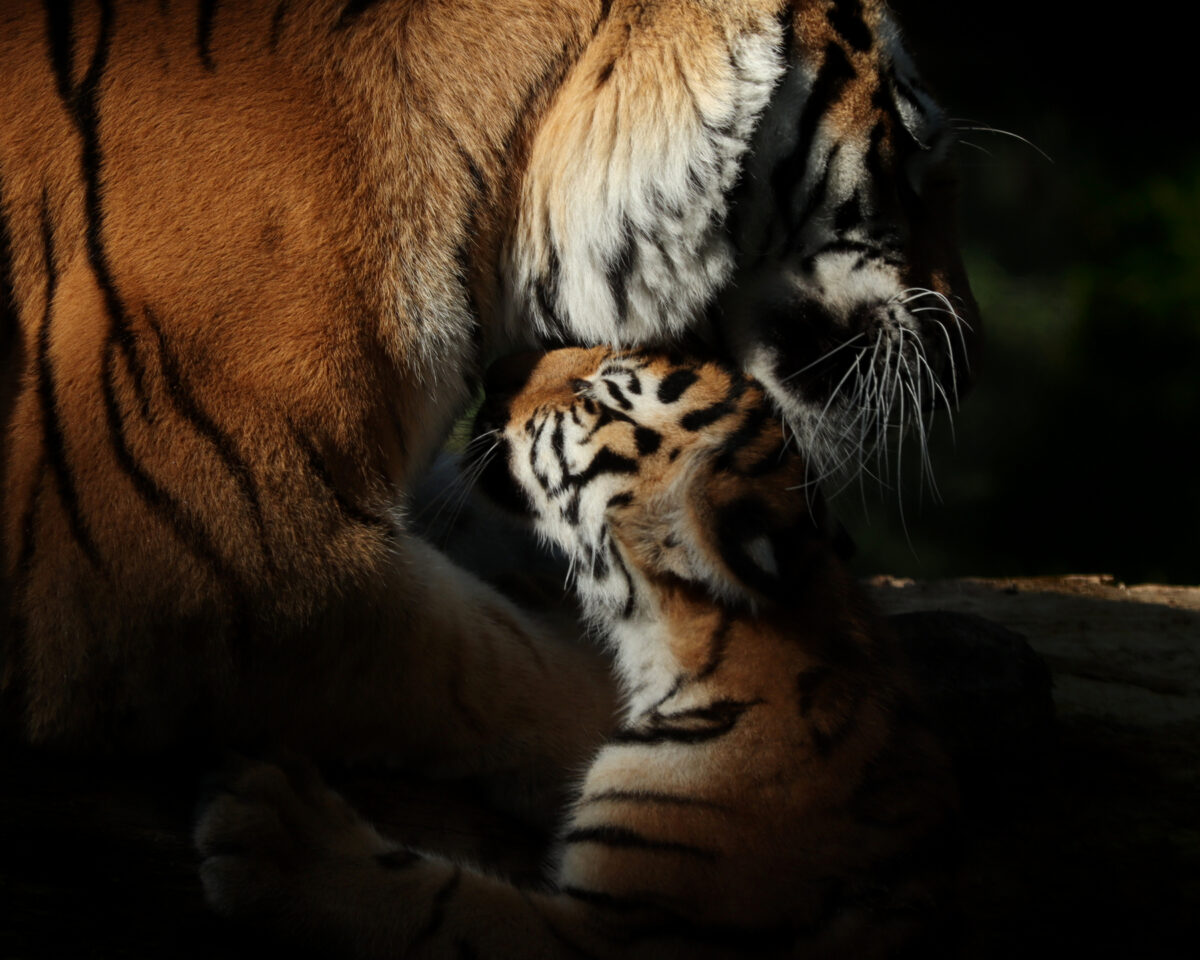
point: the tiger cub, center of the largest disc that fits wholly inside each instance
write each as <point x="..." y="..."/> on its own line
<point x="768" y="790"/>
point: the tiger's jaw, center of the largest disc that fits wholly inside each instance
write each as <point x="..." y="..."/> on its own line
<point x="849" y="301"/>
<point x="849" y="350"/>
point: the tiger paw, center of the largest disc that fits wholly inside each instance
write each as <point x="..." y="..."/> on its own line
<point x="270" y="834"/>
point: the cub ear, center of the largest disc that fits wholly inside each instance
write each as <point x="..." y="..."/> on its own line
<point x="760" y="551"/>
<point x="769" y="547"/>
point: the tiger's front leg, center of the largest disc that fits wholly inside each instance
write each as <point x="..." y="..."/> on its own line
<point x="432" y="670"/>
<point x="283" y="851"/>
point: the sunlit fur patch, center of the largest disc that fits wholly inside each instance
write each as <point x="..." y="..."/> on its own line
<point x="620" y="236"/>
<point x="646" y="467"/>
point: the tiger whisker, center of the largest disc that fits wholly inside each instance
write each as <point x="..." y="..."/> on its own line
<point x="986" y="128"/>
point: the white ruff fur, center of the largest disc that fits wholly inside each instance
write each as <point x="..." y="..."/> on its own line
<point x="621" y="233"/>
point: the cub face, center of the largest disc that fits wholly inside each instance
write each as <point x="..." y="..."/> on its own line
<point x="640" y="462"/>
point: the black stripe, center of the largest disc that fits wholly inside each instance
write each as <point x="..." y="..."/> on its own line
<point x="873" y="160"/>
<point x="605" y="10"/>
<point x="807" y="685"/>
<point x="437" y="912"/>
<point x="618" y="272"/>
<point x="650" y="797"/>
<point x="549" y="79"/>
<point x="320" y="469"/>
<point x="674" y="384"/>
<point x="631" y="591"/>
<point x="750" y="429"/>
<point x="546" y="290"/>
<point x="610" y="901"/>
<point x="185" y="524"/>
<point x="12" y="601"/>
<point x="617" y="394"/>
<point x="705" y="416"/>
<point x="188" y="407"/>
<point x="352" y="11"/>
<point x="60" y="35"/>
<point x="719" y="643"/>
<point x="56" y="444"/>
<point x="700" y="725"/>
<point x="570" y="513"/>
<point x="680" y="681"/>
<point x="836" y="71"/>
<point x="848" y="215"/>
<point x="8" y="293"/>
<point x="81" y="103"/>
<point x="558" y="442"/>
<point x="846" y="17"/>
<point x="624" y="839"/>
<point x="813" y="202"/>
<point x="832" y="721"/>
<point x="12" y="365"/>
<point x="605" y="461"/>
<point x="206" y="13"/>
<point x="473" y="171"/>
<point x="277" y="17"/>
<point x="597" y="564"/>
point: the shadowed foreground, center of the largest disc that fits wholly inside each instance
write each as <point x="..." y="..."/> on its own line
<point x="1081" y="833"/>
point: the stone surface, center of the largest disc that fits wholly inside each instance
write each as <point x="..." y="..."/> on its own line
<point x="1104" y="858"/>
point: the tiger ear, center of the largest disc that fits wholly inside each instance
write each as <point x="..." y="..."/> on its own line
<point x="620" y="227"/>
<point x="764" y="540"/>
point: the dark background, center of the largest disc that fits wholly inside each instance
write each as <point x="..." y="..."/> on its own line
<point x="1074" y="452"/>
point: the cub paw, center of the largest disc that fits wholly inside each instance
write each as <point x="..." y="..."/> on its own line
<point x="270" y="834"/>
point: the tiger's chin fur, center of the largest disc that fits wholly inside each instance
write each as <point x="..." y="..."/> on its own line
<point x="254" y="257"/>
<point x="768" y="791"/>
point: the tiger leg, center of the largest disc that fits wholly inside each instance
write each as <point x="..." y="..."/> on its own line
<point x="430" y="668"/>
<point x="282" y="850"/>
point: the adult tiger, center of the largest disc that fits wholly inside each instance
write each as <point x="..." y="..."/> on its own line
<point x="253" y="255"/>
<point x="770" y="791"/>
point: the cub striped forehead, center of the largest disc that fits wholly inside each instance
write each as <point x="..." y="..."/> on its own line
<point x="648" y="465"/>
<point x="585" y="423"/>
<point x="585" y="415"/>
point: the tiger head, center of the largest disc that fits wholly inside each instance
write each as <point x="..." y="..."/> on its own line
<point x="645" y="468"/>
<point x="773" y="176"/>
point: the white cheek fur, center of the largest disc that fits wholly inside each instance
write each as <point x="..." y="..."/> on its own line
<point x="620" y="237"/>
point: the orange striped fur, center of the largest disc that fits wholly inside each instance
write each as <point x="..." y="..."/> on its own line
<point x="254" y="255"/>
<point x="769" y="791"/>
